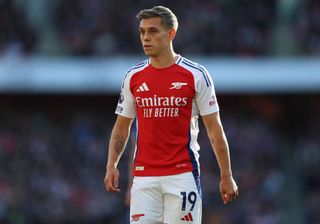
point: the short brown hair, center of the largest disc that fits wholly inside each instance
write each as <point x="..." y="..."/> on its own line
<point x="168" y="18"/>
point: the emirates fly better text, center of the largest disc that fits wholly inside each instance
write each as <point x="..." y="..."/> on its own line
<point x="161" y="106"/>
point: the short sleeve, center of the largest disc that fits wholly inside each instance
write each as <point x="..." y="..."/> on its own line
<point x="126" y="103"/>
<point x="205" y="93"/>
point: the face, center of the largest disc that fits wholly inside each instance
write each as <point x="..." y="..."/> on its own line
<point x="155" y="39"/>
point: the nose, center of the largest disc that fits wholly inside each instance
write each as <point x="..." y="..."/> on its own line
<point x="146" y="37"/>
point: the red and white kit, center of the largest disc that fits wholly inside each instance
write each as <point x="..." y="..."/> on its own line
<point x="167" y="103"/>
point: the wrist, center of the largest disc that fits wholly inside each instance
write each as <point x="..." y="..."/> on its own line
<point x="111" y="166"/>
<point x="226" y="175"/>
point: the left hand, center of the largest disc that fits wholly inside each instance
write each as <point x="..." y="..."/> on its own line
<point x="228" y="189"/>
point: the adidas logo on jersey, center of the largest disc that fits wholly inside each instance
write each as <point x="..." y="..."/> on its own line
<point x="143" y="87"/>
<point x="187" y="217"/>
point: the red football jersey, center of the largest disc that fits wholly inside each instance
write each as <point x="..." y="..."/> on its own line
<point x="167" y="103"/>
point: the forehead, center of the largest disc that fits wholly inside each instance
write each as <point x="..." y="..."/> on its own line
<point x="150" y="22"/>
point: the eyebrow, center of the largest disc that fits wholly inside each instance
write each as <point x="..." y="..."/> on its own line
<point x="149" y="28"/>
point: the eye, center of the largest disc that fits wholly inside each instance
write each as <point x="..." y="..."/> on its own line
<point x="142" y="32"/>
<point x="153" y="31"/>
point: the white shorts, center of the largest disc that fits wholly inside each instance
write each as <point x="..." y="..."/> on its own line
<point x="166" y="199"/>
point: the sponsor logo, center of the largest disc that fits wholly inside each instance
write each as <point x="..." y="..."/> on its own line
<point x="157" y="101"/>
<point x="121" y="98"/>
<point x="181" y="165"/>
<point x="119" y="109"/>
<point x="161" y="112"/>
<point x="139" y="168"/>
<point x="213" y="101"/>
<point x="177" y="85"/>
<point x="187" y="217"/>
<point x="143" y="87"/>
<point x="136" y="217"/>
<point x="161" y="106"/>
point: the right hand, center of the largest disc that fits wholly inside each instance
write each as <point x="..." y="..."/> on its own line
<point x="111" y="180"/>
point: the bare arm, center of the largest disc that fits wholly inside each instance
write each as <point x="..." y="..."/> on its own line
<point x="118" y="140"/>
<point x="228" y="187"/>
<point x="130" y="172"/>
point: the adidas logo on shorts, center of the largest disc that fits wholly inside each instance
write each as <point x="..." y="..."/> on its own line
<point x="187" y="217"/>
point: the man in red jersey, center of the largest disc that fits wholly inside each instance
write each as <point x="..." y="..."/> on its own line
<point x="166" y="94"/>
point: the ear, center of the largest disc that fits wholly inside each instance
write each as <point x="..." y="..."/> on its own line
<point x="172" y="34"/>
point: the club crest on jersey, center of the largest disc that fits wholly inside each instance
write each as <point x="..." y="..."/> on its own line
<point x="177" y="85"/>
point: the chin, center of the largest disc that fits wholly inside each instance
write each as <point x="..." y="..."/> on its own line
<point x="150" y="54"/>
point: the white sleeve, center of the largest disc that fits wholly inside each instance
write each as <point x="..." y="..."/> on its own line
<point x="126" y="104"/>
<point x="205" y="94"/>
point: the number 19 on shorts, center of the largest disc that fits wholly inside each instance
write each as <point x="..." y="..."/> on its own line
<point x="189" y="198"/>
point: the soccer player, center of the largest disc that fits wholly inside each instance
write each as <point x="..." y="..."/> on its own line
<point x="166" y="94"/>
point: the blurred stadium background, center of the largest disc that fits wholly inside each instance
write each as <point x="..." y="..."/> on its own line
<point x="61" y="64"/>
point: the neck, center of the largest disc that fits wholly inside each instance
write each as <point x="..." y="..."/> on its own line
<point x="164" y="60"/>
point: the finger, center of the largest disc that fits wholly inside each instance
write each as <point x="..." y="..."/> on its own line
<point x="115" y="186"/>
<point x="234" y="195"/>
<point x="114" y="190"/>
<point x="226" y="198"/>
<point x="230" y="196"/>
<point x="116" y="180"/>
<point x="106" y="183"/>
<point x="110" y="186"/>
<point x="223" y="197"/>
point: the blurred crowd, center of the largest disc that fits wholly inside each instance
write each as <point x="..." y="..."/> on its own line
<point x="53" y="155"/>
<point x="109" y="27"/>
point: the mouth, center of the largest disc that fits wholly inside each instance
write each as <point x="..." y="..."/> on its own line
<point x="146" y="46"/>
